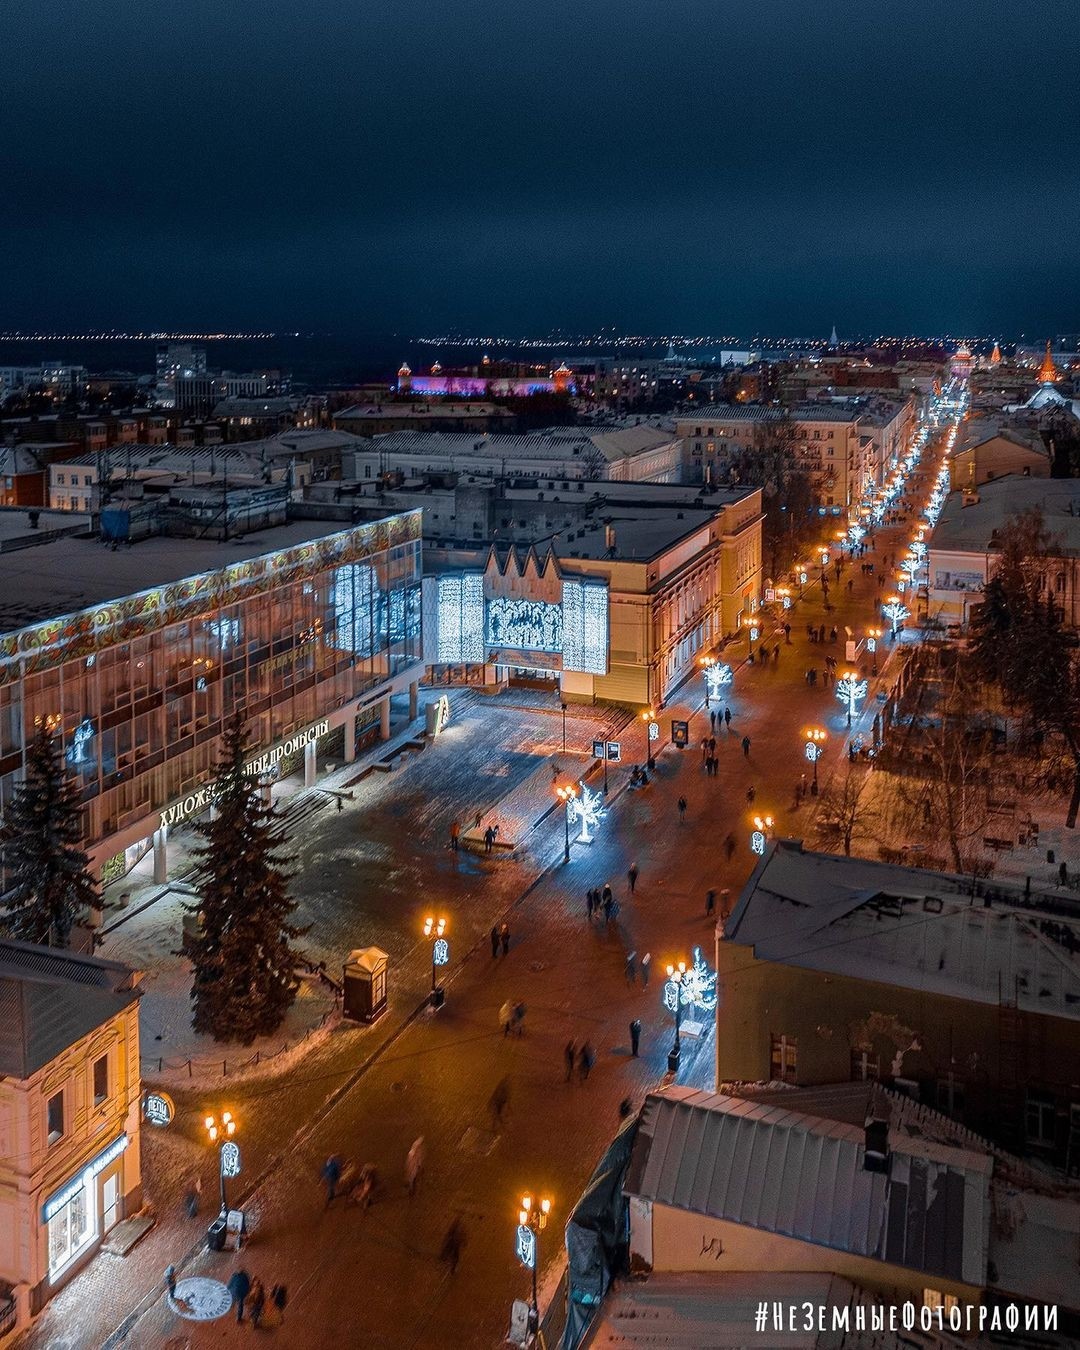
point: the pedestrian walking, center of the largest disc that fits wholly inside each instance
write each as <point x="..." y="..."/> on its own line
<point x="519" y="1018"/>
<point x="712" y="745"/>
<point x="729" y="847"/>
<point x="506" y="1017"/>
<point x="504" y="938"/>
<point x="704" y="748"/>
<point x="787" y="634"/>
<point x="631" y="967"/>
<point x="192" y="1196"/>
<point x="586" y="1059"/>
<point x="710" y="902"/>
<point x="751" y="793"/>
<point x="331" y="1175"/>
<point x="257" y="1300"/>
<point x="489" y="839"/>
<point x="635" y="1037"/>
<point x="631" y="877"/>
<point x="746" y="747"/>
<point x="625" y="1107"/>
<point x="170" y="1280"/>
<point x="452" y="1244"/>
<point x="1063" y="873"/>
<point x="569" y="1054"/>
<point x="498" y="1101"/>
<point x="646" y="964"/>
<point x="682" y="809"/>
<point x="279" y="1296"/>
<point x="414" y="1165"/>
<point x="590" y="903"/>
<point x="776" y="654"/>
<point x="455" y="834"/>
<point x="727" y="717"/>
<point x="609" y="904"/>
<point x="712" y="720"/>
<point x="608" y="897"/>
<point x="494" y="942"/>
<point x="239" y="1286"/>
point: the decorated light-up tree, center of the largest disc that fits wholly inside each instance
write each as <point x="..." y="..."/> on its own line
<point x="717" y="677"/>
<point x="696" y="987"/>
<point x="589" y="809"/>
<point x="896" y="612"/>
<point x="850" y="690"/>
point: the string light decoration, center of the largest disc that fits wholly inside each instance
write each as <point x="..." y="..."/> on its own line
<point x="588" y="807"/>
<point x="460" y="619"/>
<point x="850" y="690"/>
<point x="585" y="626"/>
<point x="696" y="987"/>
<point x="717" y="677"/>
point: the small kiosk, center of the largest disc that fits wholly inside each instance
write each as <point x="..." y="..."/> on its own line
<point x="365" y="984"/>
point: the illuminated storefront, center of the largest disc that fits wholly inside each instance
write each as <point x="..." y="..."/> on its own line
<point x="308" y="640"/>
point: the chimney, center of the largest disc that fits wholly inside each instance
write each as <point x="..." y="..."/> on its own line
<point x="876" y="1150"/>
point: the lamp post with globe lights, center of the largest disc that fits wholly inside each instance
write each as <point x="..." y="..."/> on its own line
<point x="221" y="1134"/>
<point x="434" y="930"/>
<point x="566" y="794"/>
<point x="815" y="741"/>
<point x="676" y="975"/>
<point x="532" y="1220"/>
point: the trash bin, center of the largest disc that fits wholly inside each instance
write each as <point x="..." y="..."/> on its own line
<point x="215" y="1235"/>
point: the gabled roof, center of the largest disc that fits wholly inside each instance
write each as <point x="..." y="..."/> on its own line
<point x="50" y="998"/>
<point x="800" y="1176"/>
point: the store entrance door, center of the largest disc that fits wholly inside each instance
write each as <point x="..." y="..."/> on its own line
<point x="110" y="1203"/>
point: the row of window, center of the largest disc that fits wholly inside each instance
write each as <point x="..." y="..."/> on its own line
<point x="88" y="480"/>
<point x="55" y="1116"/>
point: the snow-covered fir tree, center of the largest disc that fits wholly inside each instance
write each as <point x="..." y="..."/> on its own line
<point x="244" y="965"/>
<point x="48" y="883"/>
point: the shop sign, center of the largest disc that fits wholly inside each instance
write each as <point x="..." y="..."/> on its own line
<point x="196" y="802"/>
<point x="56" y="1202"/>
<point x="526" y="1246"/>
<point x="614" y="751"/>
<point x="158" y="1108"/>
<point x="680" y="732"/>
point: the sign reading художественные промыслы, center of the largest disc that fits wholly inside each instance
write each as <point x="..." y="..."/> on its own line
<point x="202" y="797"/>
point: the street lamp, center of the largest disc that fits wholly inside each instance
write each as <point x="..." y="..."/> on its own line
<point x="652" y="729"/>
<point x="707" y="662"/>
<point x="440" y="955"/>
<point x="815" y="740"/>
<point x="532" y="1220"/>
<point x="760" y="835"/>
<point x="563" y="706"/>
<point x="228" y="1151"/>
<point x="676" y="975"/>
<point x="566" y="795"/>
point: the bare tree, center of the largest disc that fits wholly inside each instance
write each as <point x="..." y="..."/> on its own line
<point x="846" y="809"/>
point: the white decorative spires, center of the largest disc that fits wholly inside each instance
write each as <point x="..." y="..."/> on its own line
<point x="834" y="340"/>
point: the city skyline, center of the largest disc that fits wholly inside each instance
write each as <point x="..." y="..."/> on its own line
<point x="489" y="170"/>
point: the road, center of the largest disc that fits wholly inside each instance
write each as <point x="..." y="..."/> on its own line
<point x="375" y="1278"/>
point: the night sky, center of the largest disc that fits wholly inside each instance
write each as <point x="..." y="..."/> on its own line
<point x="504" y="167"/>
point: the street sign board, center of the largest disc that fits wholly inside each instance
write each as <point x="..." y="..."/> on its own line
<point x="158" y="1108"/>
<point x="614" y="751"/>
<point x="598" y="749"/>
<point x="680" y="732"/>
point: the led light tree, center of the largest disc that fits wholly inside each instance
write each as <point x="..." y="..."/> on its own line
<point x="717" y="677"/>
<point x="850" y="690"/>
<point x="896" y="612"/>
<point x="589" y="809"/>
<point x="696" y="987"/>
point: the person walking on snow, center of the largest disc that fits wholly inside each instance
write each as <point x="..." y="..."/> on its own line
<point x="494" y="942"/>
<point x="727" y="718"/>
<point x="631" y="876"/>
<point x="569" y="1055"/>
<point x="414" y="1165"/>
<point x="746" y="747"/>
<point x="682" y="809"/>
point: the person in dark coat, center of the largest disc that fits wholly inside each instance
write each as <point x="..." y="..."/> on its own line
<point x="586" y="1059"/>
<point x="504" y="938"/>
<point x="631" y="876"/>
<point x="279" y="1296"/>
<point x="170" y="1280"/>
<point x="257" y="1298"/>
<point x="569" y="1055"/>
<point x="453" y="1243"/>
<point x="494" y="942"/>
<point x="635" y="1037"/>
<point x="727" y="717"/>
<point x="239" y="1286"/>
<point x="331" y="1175"/>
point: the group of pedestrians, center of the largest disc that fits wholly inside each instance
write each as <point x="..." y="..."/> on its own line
<point x="578" y="1059"/>
<point x="709" y="757"/>
<point x="500" y="939"/>
<point x="716" y="717"/>
<point x="599" y="899"/>
<point x="248" y="1292"/>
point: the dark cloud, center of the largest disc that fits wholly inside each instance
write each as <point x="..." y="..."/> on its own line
<point x="700" y="165"/>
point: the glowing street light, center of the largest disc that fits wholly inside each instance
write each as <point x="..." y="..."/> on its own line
<point x="760" y="834"/>
<point x="228" y="1150"/>
<point x="815" y="743"/>
<point x="850" y="689"/>
<point x="434" y="929"/>
<point x="653" y="726"/>
<point x="532" y="1220"/>
<point x="676" y="975"/>
<point x="566" y="795"/>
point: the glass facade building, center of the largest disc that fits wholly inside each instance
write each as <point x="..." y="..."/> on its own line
<point x="140" y="687"/>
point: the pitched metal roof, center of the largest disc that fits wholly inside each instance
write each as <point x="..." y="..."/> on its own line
<point x="50" y="998"/>
<point x="802" y="1176"/>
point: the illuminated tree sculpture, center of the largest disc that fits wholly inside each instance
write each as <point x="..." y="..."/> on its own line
<point x="896" y="612"/>
<point x="697" y="987"/>
<point x="850" y="690"/>
<point x="716" y="678"/>
<point x="589" y="809"/>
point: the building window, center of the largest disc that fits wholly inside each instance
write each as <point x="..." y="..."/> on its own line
<point x="73" y="1227"/>
<point x="950" y="1097"/>
<point x="864" y="1066"/>
<point x="783" y="1058"/>
<point x="934" y="1298"/>
<point x="54" y="1117"/>
<point x="60" y="479"/>
<point x="1039" y="1117"/>
<point x="101" y="1079"/>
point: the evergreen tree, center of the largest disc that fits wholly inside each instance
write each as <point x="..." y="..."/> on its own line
<point x="244" y="966"/>
<point x="49" y="887"/>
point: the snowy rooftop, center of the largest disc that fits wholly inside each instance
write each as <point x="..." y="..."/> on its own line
<point x="969" y="528"/>
<point x="63" y="576"/>
<point x="913" y="928"/>
<point x="555" y="443"/>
